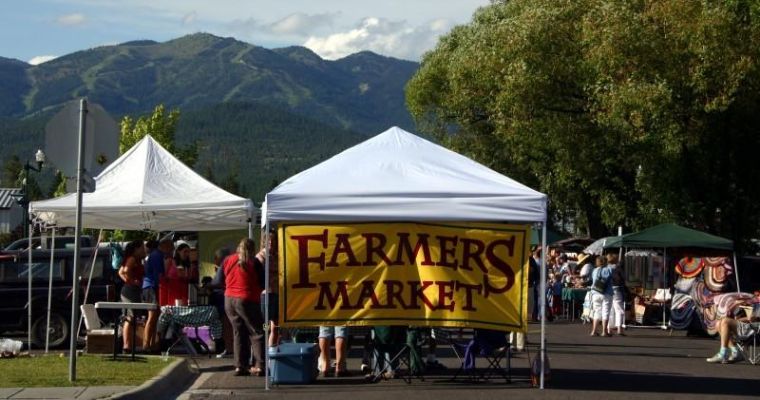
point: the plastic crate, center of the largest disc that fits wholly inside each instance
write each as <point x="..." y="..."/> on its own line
<point x="293" y="363"/>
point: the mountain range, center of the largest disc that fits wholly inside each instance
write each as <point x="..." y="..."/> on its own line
<point x="258" y="113"/>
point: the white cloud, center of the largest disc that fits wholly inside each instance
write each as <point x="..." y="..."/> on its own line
<point x="41" y="59"/>
<point x="383" y="36"/>
<point x="301" y="24"/>
<point x="71" y="19"/>
<point x="189" y="18"/>
<point x="294" y="27"/>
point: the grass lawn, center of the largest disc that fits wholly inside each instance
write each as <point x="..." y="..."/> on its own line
<point x="92" y="370"/>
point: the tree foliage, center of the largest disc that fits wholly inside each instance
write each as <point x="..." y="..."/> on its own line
<point x="624" y="112"/>
<point x="12" y="168"/>
<point x="162" y="127"/>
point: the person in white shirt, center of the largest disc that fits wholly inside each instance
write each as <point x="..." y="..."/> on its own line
<point x="587" y="262"/>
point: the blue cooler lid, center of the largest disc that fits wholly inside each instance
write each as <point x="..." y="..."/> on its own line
<point x="292" y="349"/>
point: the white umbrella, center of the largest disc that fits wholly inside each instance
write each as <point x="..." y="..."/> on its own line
<point x="597" y="247"/>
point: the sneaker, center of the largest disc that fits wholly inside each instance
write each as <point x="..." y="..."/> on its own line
<point x="365" y="368"/>
<point x="735" y="357"/>
<point x="718" y="358"/>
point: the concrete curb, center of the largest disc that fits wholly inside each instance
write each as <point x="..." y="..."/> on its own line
<point x="170" y="382"/>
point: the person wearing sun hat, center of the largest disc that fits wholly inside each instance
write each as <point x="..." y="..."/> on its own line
<point x="587" y="265"/>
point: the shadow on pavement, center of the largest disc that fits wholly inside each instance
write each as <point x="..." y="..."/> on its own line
<point x="641" y="382"/>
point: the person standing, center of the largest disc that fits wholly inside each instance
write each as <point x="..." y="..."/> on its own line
<point x="601" y="296"/>
<point x="180" y="273"/>
<point x="326" y="335"/>
<point x="270" y="298"/>
<point x="216" y="299"/>
<point x="534" y="276"/>
<point x="131" y="273"/>
<point x="587" y="262"/>
<point x="154" y="270"/>
<point x="617" y="281"/>
<point x="243" y="281"/>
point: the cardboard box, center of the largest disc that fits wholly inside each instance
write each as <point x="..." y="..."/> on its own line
<point x="99" y="344"/>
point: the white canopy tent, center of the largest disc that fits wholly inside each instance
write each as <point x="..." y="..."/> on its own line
<point x="148" y="188"/>
<point x="398" y="176"/>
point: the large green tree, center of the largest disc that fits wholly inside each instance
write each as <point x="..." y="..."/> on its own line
<point x="162" y="126"/>
<point x="624" y="112"/>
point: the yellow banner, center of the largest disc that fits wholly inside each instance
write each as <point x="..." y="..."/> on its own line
<point x="419" y="274"/>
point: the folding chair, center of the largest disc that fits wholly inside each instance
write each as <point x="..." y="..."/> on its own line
<point x="748" y="346"/>
<point x="96" y="329"/>
<point x="396" y="353"/>
<point x="176" y="331"/>
<point x="455" y="338"/>
<point x="494" y="347"/>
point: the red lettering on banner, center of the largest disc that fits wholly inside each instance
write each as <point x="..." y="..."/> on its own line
<point x="304" y="259"/>
<point x="332" y="298"/>
<point x="405" y="246"/>
<point x="444" y="294"/>
<point x="448" y="249"/>
<point x="343" y="246"/>
<point x="499" y="264"/>
<point x="394" y="291"/>
<point x="375" y="248"/>
<point x="368" y="292"/>
<point x="474" y="255"/>
<point x="468" y="294"/>
<point x="418" y="292"/>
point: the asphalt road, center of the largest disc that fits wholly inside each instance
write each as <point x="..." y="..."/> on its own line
<point x="645" y="364"/>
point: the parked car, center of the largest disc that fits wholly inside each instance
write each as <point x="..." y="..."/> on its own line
<point x="14" y="270"/>
<point x="61" y="242"/>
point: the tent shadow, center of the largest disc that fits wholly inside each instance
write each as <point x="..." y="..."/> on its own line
<point x="643" y="382"/>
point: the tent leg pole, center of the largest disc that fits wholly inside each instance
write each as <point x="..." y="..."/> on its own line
<point x="29" y="275"/>
<point x="665" y="295"/>
<point x="736" y="273"/>
<point x="50" y="291"/>
<point x="89" y="278"/>
<point x="266" y="305"/>
<point x="542" y="302"/>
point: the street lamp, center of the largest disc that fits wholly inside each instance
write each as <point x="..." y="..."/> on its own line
<point x="23" y="198"/>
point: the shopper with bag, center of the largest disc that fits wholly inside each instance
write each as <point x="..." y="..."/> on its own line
<point x="601" y="297"/>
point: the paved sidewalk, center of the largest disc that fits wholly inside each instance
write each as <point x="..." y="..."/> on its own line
<point x="646" y="364"/>
<point x="83" y="393"/>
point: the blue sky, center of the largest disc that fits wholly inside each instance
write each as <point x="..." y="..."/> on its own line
<point x="332" y="28"/>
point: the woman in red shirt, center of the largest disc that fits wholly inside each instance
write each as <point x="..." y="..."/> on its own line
<point x="244" y="277"/>
<point x="131" y="272"/>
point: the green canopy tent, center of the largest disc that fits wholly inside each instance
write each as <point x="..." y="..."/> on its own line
<point x="667" y="236"/>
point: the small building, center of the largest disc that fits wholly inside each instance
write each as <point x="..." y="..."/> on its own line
<point x="11" y="214"/>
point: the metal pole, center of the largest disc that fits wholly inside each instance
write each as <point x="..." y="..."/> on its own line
<point x="27" y="200"/>
<point x="542" y="301"/>
<point x="664" y="294"/>
<point x="736" y="273"/>
<point x="266" y="305"/>
<point x="50" y="290"/>
<point x="27" y="223"/>
<point x="77" y="261"/>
